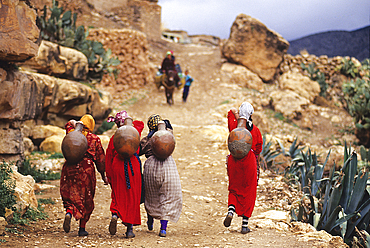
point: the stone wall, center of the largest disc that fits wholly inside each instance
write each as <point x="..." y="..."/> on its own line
<point x="328" y="66"/>
<point x="131" y="48"/>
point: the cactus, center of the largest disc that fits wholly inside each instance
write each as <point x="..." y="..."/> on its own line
<point x="316" y="75"/>
<point x="349" y="68"/>
<point x="61" y="28"/>
<point x="357" y="96"/>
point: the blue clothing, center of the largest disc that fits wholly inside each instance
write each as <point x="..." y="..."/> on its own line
<point x="188" y="80"/>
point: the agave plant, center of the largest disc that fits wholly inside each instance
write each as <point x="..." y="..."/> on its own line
<point x="344" y="208"/>
<point x="267" y="155"/>
<point x="61" y="28"/>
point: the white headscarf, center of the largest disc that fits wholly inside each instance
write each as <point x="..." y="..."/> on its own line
<point x="246" y="110"/>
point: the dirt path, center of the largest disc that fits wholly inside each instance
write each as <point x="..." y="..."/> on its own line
<point x="201" y="166"/>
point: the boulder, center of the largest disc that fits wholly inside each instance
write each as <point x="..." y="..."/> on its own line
<point x="44" y="131"/>
<point x="18" y="30"/>
<point x="3" y="223"/>
<point x="24" y="192"/>
<point x="240" y="75"/>
<point x="289" y="103"/>
<point x="28" y="146"/>
<point x="52" y="144"/>
<point x="300" y="84"/>
<point x="255" y="46"/>
<point x="60" y="61"/>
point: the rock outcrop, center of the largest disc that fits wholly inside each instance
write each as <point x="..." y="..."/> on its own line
<point x="255" y="46"/>
<point x="240" y="75"/>
<point x="60" y="61"/>
<point x="49" y="100"/>
<point x="18" y="30"/>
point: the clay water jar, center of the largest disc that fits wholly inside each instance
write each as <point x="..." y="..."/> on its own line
<point x="74" y="145"/>
<point x="240" y="140"/>
<point x="162" y="142"/>
<point x="126" y="139"/>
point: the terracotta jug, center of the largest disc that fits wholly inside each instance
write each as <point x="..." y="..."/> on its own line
<point x="126" y="139"/>
<point x="74" y="145"/>
<point x="240" y="140"/>
<point x="162" y="142"/>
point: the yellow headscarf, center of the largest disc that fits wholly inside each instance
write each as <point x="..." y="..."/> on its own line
<point x="89" y="123"/>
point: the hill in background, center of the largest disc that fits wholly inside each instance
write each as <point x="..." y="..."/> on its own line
<point x="335" y="43"/>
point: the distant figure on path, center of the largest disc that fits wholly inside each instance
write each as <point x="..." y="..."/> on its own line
<point x="243" y="173"/>
<point x="188" y="81"/>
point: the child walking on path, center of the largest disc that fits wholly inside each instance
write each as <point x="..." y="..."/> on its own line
<point x="163" y="196"/>
<point x="188" y="81"/>
<point x="124" y="176"/>
<point x="78" y="182"/>
<point x="243" y="173"/>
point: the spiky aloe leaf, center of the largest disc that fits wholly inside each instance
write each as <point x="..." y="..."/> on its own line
<point x="361" y="213"/>
<point x="332" y="219"/>
<point x="358" y="192"/>
<point x="324" y="215"/>
<point x="335" y="196"/>
<point x="342" y="221"/>
<point x="349" y="169"/>
<point x="317" y="178"/>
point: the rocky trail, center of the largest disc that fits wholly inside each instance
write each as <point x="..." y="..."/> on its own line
<point x="200" y="157"/>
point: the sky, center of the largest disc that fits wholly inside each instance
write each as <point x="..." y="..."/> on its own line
<point x="292" y="19"/>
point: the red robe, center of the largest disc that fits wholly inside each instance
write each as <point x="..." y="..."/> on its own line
<point x="78" y="182"/>
<point x="125" y="201"/>
<point x="243" y="173"/>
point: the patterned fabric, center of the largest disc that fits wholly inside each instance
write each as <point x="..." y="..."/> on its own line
<point x="125" y="178"/>
<point x="119" y="119"/>
<point x="153" y="122"/>
<point x="163" y="196"/>
<point x="78" y="182"/>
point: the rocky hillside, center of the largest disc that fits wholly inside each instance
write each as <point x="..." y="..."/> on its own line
<point x="335" y="43"/>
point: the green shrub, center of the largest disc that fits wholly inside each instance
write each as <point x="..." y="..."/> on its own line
<point x="349" y="68"/>
<point x="343" y="206"/>
<point x="60" y="27"/>
<point x="268" y="156"/>
<point x="7" y="186"/>
<point x="316" y="75"/>
<point x="30" y="215"/>
<point x="37" y="174"/>
<point x="357" y="95"/>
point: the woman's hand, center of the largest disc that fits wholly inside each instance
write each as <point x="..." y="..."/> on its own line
<point x="73" y="123"/>
<point x="235" y="112"/>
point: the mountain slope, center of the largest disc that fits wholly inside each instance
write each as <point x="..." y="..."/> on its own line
<point x="335" y="43"/>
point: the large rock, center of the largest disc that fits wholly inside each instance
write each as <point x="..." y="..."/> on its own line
<point x="52" y="144"/>
<point x="289" y="103"/>
<point x="60" y="61"/>
<point x="18" y="30"/>
<point x="25" y="96"/>
<point x="240" y="75"/>
<point x="302" y="85"/>
<point x="255" y="46"/>
<point x="24" y="192"/>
